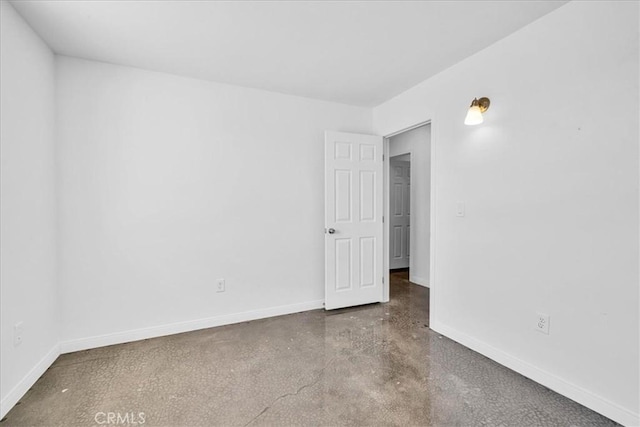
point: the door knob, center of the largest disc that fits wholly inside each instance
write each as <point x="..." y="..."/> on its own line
<point x="331" y="230"/>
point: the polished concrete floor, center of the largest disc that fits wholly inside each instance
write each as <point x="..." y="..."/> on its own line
<point x="373" y="365"/>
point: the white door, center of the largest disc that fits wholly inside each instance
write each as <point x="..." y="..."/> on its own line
<point x="399" y="224"/>
<point x="353" y="219"/>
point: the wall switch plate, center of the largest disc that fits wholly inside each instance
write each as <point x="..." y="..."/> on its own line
<point x="542" y="323"/>
<point x="221" y="285"/>
<point x="18" y="331"/>
<point x="460" y="209"/>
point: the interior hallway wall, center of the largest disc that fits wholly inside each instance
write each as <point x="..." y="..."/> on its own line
<point x="28" y="292"/>
<point x="168" y="184"/>
<point x="418" y="142"/>
<point x="550" y="182"/>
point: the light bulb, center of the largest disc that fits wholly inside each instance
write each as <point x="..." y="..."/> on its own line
<point x="474" y="116"/>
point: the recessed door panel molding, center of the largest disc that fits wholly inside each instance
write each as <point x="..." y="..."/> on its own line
<point x="367" y="152"/>
<point x="367" y="261"/>
<point x="398" y="193"/>
<point x="344" y="276"/>
<point x="353" y="219"/>
<point x="342" y="150"/>
<point x="343" y="195"/>
<point x="397" y="233"/>
<point x="400" y="207"/>
<point x="367" y="195"/>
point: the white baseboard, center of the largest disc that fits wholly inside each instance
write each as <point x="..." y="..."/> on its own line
<point x="584" y="397"/>
<point x="418" y="280"/>
<point x="28" y="381"/>
<point x="186" y="326"/>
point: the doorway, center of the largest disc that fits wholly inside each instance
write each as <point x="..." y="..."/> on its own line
<point x="357" y="237"/>
<point x="400" y="212"/>
<point x="408" y="207"/>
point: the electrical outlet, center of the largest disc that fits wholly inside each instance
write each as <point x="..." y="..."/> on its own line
<point x="542" y="323"/>
<point x="18" y="330"/>
<point x="221" y="285"/>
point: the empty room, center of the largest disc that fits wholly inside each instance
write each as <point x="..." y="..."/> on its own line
<point x="319" y="213"/>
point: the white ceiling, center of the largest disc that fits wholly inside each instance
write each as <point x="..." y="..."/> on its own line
<point x="354" y="52"/>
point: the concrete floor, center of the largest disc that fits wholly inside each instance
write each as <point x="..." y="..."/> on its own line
<point x="372" y="365"/>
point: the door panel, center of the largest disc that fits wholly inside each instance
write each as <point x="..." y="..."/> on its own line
<point x="367" y="261"/>
<point x="397" y="192"/>
<point x="342" y="190"/>
<point x="397" y="241"/>
<point x="353" y="211"/>
<point x="367" y="196"/>
<point x="343" y="264"/>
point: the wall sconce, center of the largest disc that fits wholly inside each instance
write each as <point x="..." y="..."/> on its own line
<point x="474" y="115"/>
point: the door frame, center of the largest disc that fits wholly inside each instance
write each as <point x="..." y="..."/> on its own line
<point x="432" y="211"/>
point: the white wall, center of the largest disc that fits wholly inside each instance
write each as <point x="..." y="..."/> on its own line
<point x="550" y="182"/>
<point x="418" y="142"/>
<point x="27" y="215"/>
<point x="169" y="183"/>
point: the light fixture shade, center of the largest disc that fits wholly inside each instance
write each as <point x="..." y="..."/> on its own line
<point x="474" y="116"/>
